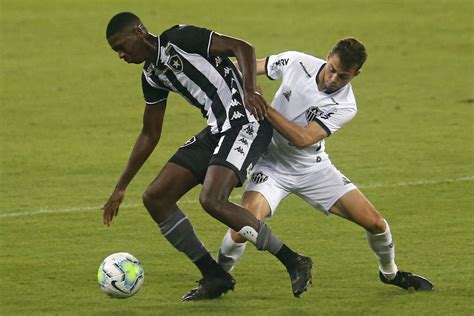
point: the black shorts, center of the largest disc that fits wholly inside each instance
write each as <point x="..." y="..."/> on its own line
<point x="238" y="149"/>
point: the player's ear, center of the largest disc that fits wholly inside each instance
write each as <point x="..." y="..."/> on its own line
<point x="139" y="30"/>
<point x="357" y="72"/>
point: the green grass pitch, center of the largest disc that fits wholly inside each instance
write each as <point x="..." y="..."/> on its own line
<point x="70" y="112"/>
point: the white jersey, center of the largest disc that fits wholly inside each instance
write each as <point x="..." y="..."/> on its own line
<point x="299" y="100"/>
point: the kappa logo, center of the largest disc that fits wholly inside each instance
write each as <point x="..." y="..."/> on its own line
<point x="287" y="95"/>
<point x="175" y="63"/>
<point x="244" y="141"/>
<point x="240" y="150"/>
<point x="236" y="115"/>
<point x="346" y="181"/>
<point x="249" y="130"/>
<point x="314" y="113"/>
<point x="189" y="141"/>
<point x="259" y="177"/>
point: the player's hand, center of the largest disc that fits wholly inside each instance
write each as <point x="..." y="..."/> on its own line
<point x="111" y="207"/>
<point x="256" y="104"/>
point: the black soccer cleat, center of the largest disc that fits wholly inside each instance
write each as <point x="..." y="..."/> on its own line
<point x="408" y="281"/>
<point x="210" y="288"/>
<point x="300" y="274"/>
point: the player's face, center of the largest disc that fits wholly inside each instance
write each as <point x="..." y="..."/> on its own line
<point x="129" y="47"/>
<point x="335" y="75"/>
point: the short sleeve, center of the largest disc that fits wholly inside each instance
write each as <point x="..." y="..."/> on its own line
<point x="190" y="38"/>
<point x="332" y="119"/>
<point x="276" y="65"/>
<point x="151" y="94"/>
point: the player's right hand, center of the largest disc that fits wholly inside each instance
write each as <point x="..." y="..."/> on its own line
<point x="111" y="207"/>
<point x="256" y="104"/>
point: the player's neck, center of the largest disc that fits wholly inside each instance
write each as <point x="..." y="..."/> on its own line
<point x="151" y="42"/>
<point x="320" y="81"/>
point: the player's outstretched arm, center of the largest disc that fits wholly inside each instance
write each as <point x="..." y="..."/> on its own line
<point x="223" y="45"/>
<point x="260" y="66"/>
<point x="144" y="145"/>
<point x="300" y="136"/>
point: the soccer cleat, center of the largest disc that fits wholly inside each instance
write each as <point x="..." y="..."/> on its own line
<point x="300" y="275"/>
<point x="408" y="281"/>
<point x="210" y="288"/>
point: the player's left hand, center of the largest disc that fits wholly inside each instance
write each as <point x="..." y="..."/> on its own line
<point x="111" y="207"/>
<point x="256" y="104"/>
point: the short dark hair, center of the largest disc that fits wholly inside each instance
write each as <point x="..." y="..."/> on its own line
<point x="351" y="52"/>
<point x="120" y="22"/>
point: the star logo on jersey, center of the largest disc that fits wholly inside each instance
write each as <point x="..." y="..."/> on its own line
<point x="236" y="115"/>
<point x="175" y="63"/>
<point x="287" y="95"/>
<point x="314" y="113"/>
<point x="259" y="177"/>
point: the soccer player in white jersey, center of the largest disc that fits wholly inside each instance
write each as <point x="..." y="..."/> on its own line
<point x="314" y="100"/>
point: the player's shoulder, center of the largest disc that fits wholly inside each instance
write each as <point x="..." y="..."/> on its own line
<point x="299" y="61"/>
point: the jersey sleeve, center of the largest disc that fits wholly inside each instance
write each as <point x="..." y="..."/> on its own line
<point x="151" y="94"/>
<point x="277" y="65"/>
<point x="190" y="38"/>
<point x="332" y="120"/>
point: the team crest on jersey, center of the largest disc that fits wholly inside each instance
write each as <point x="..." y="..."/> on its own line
<point x="314" y="113"/>
<point x="259" y="177"/>
<point x="189" y="141"/>
<point x="175" y="63"/>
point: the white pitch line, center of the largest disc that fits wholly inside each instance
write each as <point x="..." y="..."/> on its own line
<point x="46" y="210"/>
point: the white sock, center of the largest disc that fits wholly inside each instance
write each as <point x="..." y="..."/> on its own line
<point x="384" y="249"/>
<point x="230" y="252"/>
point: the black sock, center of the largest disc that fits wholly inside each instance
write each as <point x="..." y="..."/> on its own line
<point x="208" y="266"/>
<point x="286" y="256"/>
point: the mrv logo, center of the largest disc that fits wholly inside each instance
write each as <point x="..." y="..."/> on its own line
<point x="280" y="63"/>
<point x="314" y="113"/>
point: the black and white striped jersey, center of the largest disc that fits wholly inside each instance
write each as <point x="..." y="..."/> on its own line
<point x="211" y="83"/>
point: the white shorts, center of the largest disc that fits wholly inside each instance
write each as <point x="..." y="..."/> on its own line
<point x="321" y="188"/>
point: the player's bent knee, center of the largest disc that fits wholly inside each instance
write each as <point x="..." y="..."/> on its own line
<point x="377" y="225"/>
<point x="211" y="203"/>
<point x="152" y="201"/>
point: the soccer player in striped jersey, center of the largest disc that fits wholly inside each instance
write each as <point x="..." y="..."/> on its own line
<point x="315" y="100"/>
<point x="194" y="62"/>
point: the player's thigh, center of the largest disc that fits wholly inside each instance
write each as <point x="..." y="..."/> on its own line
<point x="171" y="184"/>
<point x="256" y="203"/>
<point x="323" y="188"/>
<point x="264" y="192"/>
<point x="240" y="148"/>
<point x="355" y="207"/>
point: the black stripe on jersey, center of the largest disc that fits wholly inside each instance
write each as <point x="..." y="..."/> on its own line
<point x="266" y="69"/>
<point x="328" y="131"/>
<point x="205" y="85"/>
<point x="237" y="105"/>
<point x="184" y="92"/>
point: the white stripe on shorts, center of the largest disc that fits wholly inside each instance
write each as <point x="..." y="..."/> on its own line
<point x="242" y="144"/>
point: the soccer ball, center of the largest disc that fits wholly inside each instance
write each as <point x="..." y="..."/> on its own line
<point x="120" y="275"/>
